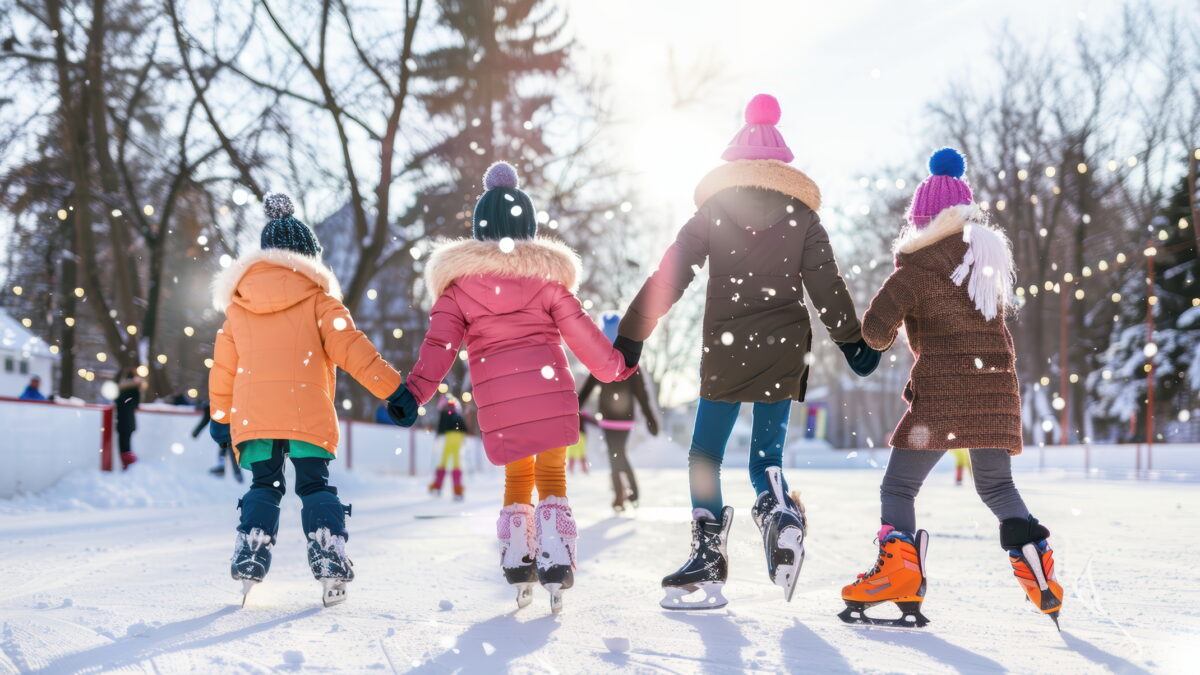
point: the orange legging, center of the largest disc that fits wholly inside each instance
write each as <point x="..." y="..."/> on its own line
<point x="547" y="469"/>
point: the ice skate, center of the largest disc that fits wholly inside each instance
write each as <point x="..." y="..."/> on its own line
<point x="251" y="559"/>
<point x="1032" y="561"/>
<point x="706" y="568"/>
<point x="782" y="524"/>
<point x="518" y="548"/>
<point x="898" y="576"/>
<point x="329" y="564"/>
<point x="556" y="536"/>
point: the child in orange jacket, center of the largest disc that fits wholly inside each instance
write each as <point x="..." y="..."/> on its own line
<point x="272" y="389"/>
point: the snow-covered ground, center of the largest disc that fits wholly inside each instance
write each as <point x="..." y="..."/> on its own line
<point x="116" y="581"/>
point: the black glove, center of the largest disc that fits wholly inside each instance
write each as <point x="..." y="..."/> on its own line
<point x="630" y="349"/>
<point x="219" y="432"/>
<point x="862" y="358"/>
<point x="402" y="407"/>
<point x="652" y="426"/>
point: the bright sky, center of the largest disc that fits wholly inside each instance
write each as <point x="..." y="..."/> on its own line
<point x="852" y="77"/>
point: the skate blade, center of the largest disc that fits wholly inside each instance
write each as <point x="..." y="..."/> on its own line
<point x="333" y="592"/>
<point x="786" y="576"/>
<point x="247" y="586"/>
<point x="524" y="594"/>
<point x="556" y="592"/>
<point x="913" y="619"/>
<point x="676" y="598"/>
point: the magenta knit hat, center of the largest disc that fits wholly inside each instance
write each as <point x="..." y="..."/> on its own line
<point x="943" y="189"/>
<point x="759" y="139"/>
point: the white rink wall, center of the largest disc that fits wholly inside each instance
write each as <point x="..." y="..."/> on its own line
<point x="45" y="442"/>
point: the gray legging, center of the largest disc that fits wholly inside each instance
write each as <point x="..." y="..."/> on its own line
<point x="907" y="469"/>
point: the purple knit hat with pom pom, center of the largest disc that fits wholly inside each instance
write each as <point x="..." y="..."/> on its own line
<point x="759" y="139"/>
<point x="944" y="187"/>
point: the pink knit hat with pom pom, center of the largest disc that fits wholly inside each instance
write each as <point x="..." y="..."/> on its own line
<point x="759" y="139"/>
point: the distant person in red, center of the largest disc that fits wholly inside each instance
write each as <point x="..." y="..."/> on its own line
<point x="33" y="391"/>
<point x="129" y="397"/>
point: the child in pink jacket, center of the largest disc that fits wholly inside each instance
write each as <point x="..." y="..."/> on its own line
<point x="508" y="296"/>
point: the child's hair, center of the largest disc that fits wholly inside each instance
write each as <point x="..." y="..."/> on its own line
<point x="503" y="210"/>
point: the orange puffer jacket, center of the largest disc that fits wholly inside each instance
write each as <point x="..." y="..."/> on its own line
<point x="285" y="331"/>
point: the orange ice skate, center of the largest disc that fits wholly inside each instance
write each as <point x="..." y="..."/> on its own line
<point x="898" y="576"/>
<point x="1032" y="561"/>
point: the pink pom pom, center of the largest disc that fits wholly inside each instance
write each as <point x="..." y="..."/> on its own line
<point x="762" y="109"/>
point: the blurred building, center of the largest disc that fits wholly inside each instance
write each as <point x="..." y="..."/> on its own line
<point x="23" y="355"/>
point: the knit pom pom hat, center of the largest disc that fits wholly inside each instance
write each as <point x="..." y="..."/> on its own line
<point x="944" y="187"/>
<point x="284" y="231"/>
<point x="503" y="210"/>
<point x="759" y="139"/>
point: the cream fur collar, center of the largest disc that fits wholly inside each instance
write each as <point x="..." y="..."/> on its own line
<point x="225" y="283"/>
<point x="949" y="222"/>
<point x="534" y="258"/>
<point x="770" y="174"/>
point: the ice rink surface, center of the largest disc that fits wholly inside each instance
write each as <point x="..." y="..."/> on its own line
<point x="132" y="585"/>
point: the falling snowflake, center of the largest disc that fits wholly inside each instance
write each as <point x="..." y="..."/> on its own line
<point x="726" y="338"/>
<point x="507" y="245"/>
<point x="548" y="372"/>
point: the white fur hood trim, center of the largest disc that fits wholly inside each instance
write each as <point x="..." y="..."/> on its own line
<point x="533" y="258"/>
<point x="949" y="221"/>
<point x="770" y="174"/>
<point x="987" y="267"/>
<point x="225" y="284"/>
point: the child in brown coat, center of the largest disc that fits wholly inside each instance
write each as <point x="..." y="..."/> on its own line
<point x="951" y="291"/>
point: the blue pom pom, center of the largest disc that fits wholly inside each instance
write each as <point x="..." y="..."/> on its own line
<point x="500" y="174"/>
<point x="947" y="162"/>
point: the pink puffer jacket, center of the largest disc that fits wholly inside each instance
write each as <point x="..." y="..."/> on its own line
<point x="513" y="310"/>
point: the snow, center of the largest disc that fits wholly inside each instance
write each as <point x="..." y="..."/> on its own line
<point x="129" y="571"/>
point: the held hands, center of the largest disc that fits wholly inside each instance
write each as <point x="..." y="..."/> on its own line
<point x="862" y="358"/>
<point x="630" y="349"/>
<point x="219" y="432"/>
<point x="402" y="407"/>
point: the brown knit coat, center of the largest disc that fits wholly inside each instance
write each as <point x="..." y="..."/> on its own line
<point x="962" y="392"/>
<point x="758" y="230"/>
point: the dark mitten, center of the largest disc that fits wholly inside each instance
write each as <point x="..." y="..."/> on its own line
<point x="402" y="407"/>
<point x="219" y="432"/>
<point x="1016" y="532"/>
<point x="862" y="358"/>
<point x="652" y="426"/>
<point x="630" y="349"/>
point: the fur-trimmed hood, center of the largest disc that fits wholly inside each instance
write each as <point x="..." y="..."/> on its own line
<point x="950" y="221"/>
<point x="986" y="262"/>
<point x="770" y="174"/>
<point x="271" y="280"/>
<point x="532" y="258"/>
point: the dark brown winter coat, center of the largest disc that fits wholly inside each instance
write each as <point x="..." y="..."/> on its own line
<point x="759" y="232"/>
<point x="962" y="392"/>
<point x="617" y="399"/>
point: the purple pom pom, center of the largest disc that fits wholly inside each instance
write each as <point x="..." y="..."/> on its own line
<point x="500" y="174"/>
<point x="278" y="205"/>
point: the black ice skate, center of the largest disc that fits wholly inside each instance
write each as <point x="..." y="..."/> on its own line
<point x="705" y="570"/>
<point x="782" y="524"/>
<point x="329" y="564"/>
<point x="251" y="559"/>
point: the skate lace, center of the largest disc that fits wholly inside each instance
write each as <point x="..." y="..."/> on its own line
<point x="877" y="567"/>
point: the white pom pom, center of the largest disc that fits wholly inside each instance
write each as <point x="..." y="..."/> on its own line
<point x="278" y="205"/>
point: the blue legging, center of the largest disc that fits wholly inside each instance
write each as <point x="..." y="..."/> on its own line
<point x="714" y="423"/>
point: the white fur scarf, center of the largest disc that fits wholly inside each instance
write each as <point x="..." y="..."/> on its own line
<point x="989" y="264"/>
